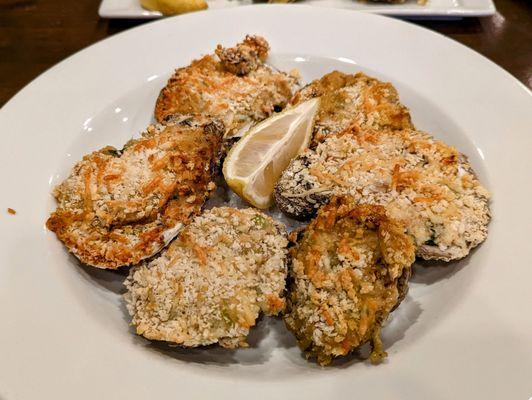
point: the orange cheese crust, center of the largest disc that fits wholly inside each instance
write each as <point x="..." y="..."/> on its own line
<point x="234" y="85"/>
<point x="349" y="271"/>
<point x="353" y="100"/>
<point x="118" y="207"/>
<point x="421" y="181"/>
<point x="211" y="284"/>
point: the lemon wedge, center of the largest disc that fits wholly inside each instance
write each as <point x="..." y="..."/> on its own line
<point x="173" y="7"/>
<point x="256" y="161"/>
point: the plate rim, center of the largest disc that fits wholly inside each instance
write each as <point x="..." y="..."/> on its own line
<point x="18" y="96"/>
<point x="155" y="21"/>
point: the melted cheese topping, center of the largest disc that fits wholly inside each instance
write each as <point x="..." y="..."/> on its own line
<point x="118" y="207"/>
<point x="212" y="282"/>
<point x="234" y="85"/>
<point x="346" y="270"/>
<point x="357" y="100"/>
<point x="421" y="181"/>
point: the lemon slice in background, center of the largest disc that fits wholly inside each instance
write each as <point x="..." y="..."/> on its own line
<point x="256" y="161"/>
<point x="173" y="7"/>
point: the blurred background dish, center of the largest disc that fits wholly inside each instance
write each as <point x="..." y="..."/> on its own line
<point x="410" y="8"/>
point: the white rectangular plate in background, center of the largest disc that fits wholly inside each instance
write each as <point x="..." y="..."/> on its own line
<point x="432" y="9"/>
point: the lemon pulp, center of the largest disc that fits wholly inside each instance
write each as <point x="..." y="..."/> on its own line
<point x="256" y="162"/>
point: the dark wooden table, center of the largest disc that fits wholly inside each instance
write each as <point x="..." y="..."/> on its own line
<point x="36" y="34"/>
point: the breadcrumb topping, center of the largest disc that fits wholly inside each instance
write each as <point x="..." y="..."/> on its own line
<point x="423" y="182"/>
<point x="245" y="57"/>
<point x="347" y="270"/>
<point x="120" y="206"/>
<point x="234" y="85"/>
<point x="353" y="100"/>
<point x="212" y="282"/>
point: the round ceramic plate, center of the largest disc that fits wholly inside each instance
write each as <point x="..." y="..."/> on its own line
<point x="463" y="332"/>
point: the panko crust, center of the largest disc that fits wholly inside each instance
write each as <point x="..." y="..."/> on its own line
<point x="213" y="281"/>
<point x="234" y="85"/>
<point x="423" y="182"/>
<point x="118" y="207"/>
<point x="353" y="100"/>
<point x="347" y="275"/>
<point x="245" y="57"/>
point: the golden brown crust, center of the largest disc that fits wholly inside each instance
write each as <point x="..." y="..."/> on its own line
<point x="354" y="100"/>
<point x="423" y="182"/>
<point x="245" y="57"/>
<point x="234" y="85"/>
<point x="213" y="281"/>
<point x="118" y="207"/>
<point x="346" y="271"/>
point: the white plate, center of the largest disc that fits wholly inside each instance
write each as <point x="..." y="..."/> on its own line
<point x="464" y="332"/>
<point x="433" y="8"/>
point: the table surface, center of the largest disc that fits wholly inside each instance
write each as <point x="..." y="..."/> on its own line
<point x="36" y="34"/>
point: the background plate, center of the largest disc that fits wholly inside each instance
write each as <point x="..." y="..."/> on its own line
<point x="433" y="8"/>
<point x="463" y="332"/>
